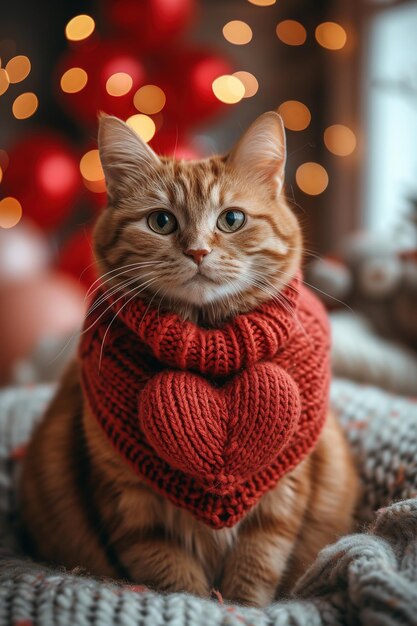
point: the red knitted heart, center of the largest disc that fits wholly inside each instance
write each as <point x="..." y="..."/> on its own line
<point x="220" y="436"/>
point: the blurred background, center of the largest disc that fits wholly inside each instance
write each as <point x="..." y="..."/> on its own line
<point x="189" y="76"/>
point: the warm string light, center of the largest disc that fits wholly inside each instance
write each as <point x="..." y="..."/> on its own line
<point x="74" y="80"/>
<point x="4" y="81"/>
<point x="92" y="171"/>
<point x="262" y="3"/>
<point x="228" y="89"/>
<point x="18" y="68"/>
<point x="291" y="32"/>
<point x="295" y="114"/>
<point x="312" y="178"/>
<point x="340" y="140"/>
<point x="149" y="99"/>
<point x="249" y="81"/>
<point x="79" y="27"/>
<point x="237" y="32"/>
<point x="10" y="212"/>
<point x="25" y="105"/>
<point x="143" y="125"/>
<point x="119" y="84"/>
<point x="331" y="35"/>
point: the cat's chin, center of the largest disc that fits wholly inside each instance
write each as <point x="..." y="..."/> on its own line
<point x="201" y="290"/>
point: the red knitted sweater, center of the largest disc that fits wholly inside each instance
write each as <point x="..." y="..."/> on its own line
<point x="210" y="418"/>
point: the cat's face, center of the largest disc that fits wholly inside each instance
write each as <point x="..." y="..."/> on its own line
<point x="206" y="239"/>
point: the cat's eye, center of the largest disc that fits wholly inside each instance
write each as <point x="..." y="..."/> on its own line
<point x="231" y="220"/>
<point x="162" y="222"/>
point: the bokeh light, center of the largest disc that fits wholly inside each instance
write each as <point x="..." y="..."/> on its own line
<point x="79" y="27"/>
<point x="4" y="81"/>
<point x="90" y="166"/>
<point x="295" y="114"/>
<point x="18" y="68"/>
<point x="237" y="32"/>
<point x="119" y="84"/>
<point x="25" y="105"/>
<point x="143" y="125"/>
<point x="10" y="212"/>
<point x="249" y="81"/>
<point x="228" y="89"/>
<point x="73" y="80"/>
<point x="263" y="3"/>
<point x="57" y="172"/>
<point x="340" y="140"/>
<point x="1" y="174"/>
<point x="312" y="178"/>
<point x="331" y="35"/>
<point x="291" y="32"/>
<point x="149" y="99"/>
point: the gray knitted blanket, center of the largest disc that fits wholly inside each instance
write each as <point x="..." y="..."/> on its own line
<point x="367" y="578"/>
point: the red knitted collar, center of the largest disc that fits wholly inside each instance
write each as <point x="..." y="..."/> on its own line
<point x="211" y="418"/>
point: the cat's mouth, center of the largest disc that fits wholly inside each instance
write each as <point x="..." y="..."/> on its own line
<point x="200" y="278"/>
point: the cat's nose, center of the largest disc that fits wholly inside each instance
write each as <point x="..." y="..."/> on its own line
<point x="197" y="255"/>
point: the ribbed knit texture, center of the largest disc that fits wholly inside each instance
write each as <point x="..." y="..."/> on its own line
<point x="211" y="418"/>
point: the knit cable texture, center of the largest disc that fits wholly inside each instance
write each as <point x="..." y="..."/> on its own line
<point x="210" y="418"/>
<point x="365" y="579"/>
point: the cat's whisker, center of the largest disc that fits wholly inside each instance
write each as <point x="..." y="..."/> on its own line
<point x="141" y="288"/>
<point x="113" y="290"/>
<point x="324" y="293"/>
<point x="149" y="305"/>
<point x="123" y="269"/>
<point x="276" y="296"/>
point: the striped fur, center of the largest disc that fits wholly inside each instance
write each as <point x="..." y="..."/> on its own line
<point x="82" y="506"/>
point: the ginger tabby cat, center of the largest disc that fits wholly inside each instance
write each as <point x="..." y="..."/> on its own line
<point x="170" y="235"/>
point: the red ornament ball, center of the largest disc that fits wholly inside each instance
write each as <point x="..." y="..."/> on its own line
<point x="150" y="23"/>
<point x="49" y="305"/>
<point x="187" y="77"/>
<point x="43" y="176"/>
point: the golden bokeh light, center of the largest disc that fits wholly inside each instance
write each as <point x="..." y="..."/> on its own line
<point x="18" y="68"/>
<point x="291" y="32"/>
<point x="10" y="212"/>
<point x="149" y="99"/>
<point x="312" y="178"/>
<point x="143" y="125"/>
<point x="263" y="3"/>
<point x="25" y="105"/>
<point x="228" y="89"/>
<point x="1" y="174"/>
<point x="4" y="81"/>
<point x="295" y="114"/>
<point x="237" y="32"/>
<point x="79" y="27"/>
<point x="249" y="81"/>
<point x="119" y="84"/>
<point x="340" y="140"/>
<point x="331" y="35"/>
<point x="73" y="80"/>
<point x="90" y="167"/>
<point x="96" y="186"/>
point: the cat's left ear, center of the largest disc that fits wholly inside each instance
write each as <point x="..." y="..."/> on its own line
<point x="261" y="151"/>
<point x="124" y="156"/>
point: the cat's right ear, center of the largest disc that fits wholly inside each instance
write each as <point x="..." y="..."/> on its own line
<point x="124" y="156"/>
